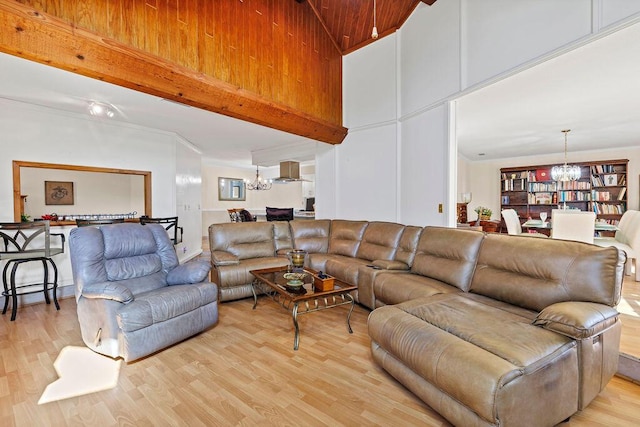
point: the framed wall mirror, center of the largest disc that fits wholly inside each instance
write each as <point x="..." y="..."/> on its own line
<point x="231" y="189"/>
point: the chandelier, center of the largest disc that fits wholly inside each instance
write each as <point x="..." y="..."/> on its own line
<point x="565" y="172"/>
<point x="258" y="183"/>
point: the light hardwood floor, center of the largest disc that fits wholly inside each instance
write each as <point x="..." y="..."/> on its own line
<point x="243" y="371"/>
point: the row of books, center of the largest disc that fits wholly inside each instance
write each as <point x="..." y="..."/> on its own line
<point x="518" y="184"/>
<point x="607" y="209"/>
<point x="574" y="196"/>
<point x="574" y="185"/>
<point x="605" y="196"/>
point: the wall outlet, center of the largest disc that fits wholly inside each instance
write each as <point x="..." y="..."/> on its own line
<point x="184" y="249"/>
<point x="439" y="207"/>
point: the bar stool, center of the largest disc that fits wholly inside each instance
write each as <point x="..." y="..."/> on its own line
<point x="25" y="242"/>
<point x="169" y="223"/>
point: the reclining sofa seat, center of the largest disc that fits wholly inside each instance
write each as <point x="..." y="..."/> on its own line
<point x="534" y="318"/>
<point x="133" y="297"/>
<point x="238" y="248"/>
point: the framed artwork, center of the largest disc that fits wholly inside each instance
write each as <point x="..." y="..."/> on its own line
<point x="611" y="179"/>
<point x="58" y="193"/>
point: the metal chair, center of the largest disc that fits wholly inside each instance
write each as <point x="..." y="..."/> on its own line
<point x="25" y="242"/>
<point x="89" y="222"/>
<point x="169" y="223"/>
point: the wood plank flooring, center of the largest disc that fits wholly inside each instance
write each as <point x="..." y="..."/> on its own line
<point x="243" y="371"/>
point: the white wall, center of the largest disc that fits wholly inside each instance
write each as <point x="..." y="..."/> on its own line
<point x="37" y="134"/>
<point x="188" y="199"/>
<point x="409" y="78"/>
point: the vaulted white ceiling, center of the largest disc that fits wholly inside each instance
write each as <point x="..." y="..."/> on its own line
<point x="593" y="90"/>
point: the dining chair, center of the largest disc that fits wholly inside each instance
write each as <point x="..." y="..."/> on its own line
<point x="514" y="227"/>
<point x="572" y="224"/>
<point x="627" y="239"/>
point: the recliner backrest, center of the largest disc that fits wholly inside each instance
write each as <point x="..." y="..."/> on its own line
<point x="408" y="244"/>
<point x="346" y="237"/>
<point x="448" y="255"/>
<point x="311" y="235"/>
<point x="380" y="241"/>
<point x="138" y="256"/>
<point x="244" y="240"/>
<point x="535" y="273"/>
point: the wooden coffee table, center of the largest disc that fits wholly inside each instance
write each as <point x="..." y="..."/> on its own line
<point x="308" y="300"/>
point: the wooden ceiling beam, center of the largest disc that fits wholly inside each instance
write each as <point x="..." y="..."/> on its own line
<point x="29" y="34"/>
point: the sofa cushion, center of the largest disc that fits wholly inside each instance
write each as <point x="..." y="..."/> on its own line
<point x="344" y="268"/>
<point x="311" y="236"/>
<point x="453" y="342"/>
<point x="346" y="237"/>
<point x="380" y="241"/>
<point x="448" y="255"/>
<point x="163" y="304"/>
<point x="541" y="272"/>
<point x="401" y="287"/>
<point x="238" y="275"/>
<point x="245" y="240"/>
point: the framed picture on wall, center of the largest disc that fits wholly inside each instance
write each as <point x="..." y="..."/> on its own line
<point x="58" y="193"/>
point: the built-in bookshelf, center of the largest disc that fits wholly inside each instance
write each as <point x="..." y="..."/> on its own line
<point x="602" y="188"/>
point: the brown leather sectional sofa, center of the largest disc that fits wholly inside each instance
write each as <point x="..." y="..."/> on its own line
<point x="487" y="329"/>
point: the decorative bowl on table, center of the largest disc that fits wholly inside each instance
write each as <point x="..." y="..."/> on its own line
<point x="295" y="281"/>
<point x="297" y="277"/>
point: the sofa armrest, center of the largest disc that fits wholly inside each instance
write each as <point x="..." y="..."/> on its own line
<point x="108" y="290"/>
<point x="191" y="272"/>
<point x="384" y="264"/>
<point x="219" y="258"/>
<point x="578" y="320"/>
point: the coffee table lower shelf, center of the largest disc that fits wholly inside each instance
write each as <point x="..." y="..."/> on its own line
<point x="302" y="304"/>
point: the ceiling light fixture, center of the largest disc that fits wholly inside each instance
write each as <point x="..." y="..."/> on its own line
<point x="258" y="183"/>
<point x="565" y="172"/>
<point x="100" y="109"/>
<point x="374" y="33"/>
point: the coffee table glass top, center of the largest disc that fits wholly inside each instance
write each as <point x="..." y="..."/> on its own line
<point x="274" y="277"/>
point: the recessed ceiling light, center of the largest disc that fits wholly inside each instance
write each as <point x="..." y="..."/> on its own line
<point x="101" y="109"/>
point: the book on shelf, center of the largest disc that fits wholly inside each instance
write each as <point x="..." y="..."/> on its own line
<point x="543" y="198"/>
<point x="622" y="192"/>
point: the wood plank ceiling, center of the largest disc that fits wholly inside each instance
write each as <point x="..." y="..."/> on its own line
<point x="263" y="61"/>
<point x="349" y="23"/>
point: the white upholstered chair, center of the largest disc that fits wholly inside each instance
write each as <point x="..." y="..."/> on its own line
<point x="627" y="239"/>
<point x="571" y="224"/>
<point x="513" y="224"/>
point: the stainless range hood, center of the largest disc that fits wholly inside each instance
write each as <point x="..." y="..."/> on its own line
<point x="289" y="172"/>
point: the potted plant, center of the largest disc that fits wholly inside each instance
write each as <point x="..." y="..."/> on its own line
<point x="484" y="214"/>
